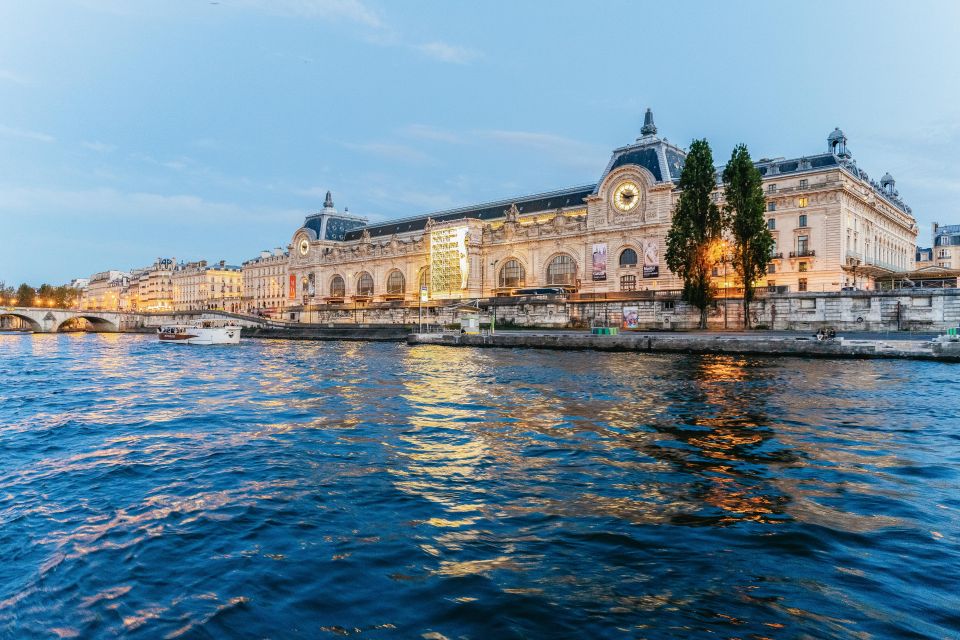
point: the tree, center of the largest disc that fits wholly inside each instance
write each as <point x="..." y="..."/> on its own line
<point x="25" y="295"/>
<point x="45" y="294"/>
<point x="693" y="242"/>
<point x="745" y="204"/>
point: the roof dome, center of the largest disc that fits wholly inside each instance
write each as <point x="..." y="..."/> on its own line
<point x="886" y="178"/>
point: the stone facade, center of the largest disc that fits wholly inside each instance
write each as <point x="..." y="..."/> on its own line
<point x="945" y="252"/>
<point x="265" y="282"/>
<point x="155" y="286"/>
<point x="199" y="286"/>
<point x="107" y="290"/>
<point x="834" y="228"/>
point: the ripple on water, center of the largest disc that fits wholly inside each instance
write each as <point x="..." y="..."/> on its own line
<point x="302" y="490"/>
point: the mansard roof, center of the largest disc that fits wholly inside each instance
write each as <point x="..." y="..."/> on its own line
<point x="535" y="203"/>
<point x="769" y="169"/>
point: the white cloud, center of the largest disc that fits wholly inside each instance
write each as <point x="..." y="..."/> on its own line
<point x="349" y="10"/>
<point x="9" y="76"/>
<point x="447" y="52"/>
<point x="391" y="151"/>
<point x="111" y="204"/>
<point x="564" y="150"/>
<point x="26" y="134"/>
<point x="427" y="132"/>
<point x="99" y="147"/>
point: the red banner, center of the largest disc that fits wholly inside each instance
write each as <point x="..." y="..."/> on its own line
<point x="293" y="287"/>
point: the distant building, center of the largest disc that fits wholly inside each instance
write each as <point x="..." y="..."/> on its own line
<point x="198" y="286"/>
<point x="155" y="286"/>
<point x="265" y="282"/>
<point x="106" y="291"/>
<point x="833" y="226"/>
<point x="946" y="246"/>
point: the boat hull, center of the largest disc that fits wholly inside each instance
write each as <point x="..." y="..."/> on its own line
<point x="200" y="335"/>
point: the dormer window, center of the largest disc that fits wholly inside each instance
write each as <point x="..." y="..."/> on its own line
<point x="771" y="188"/>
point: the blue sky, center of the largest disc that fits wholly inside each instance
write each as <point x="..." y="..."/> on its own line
<point x="208" y="129"/>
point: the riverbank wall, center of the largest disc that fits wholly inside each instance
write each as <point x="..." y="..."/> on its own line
<point x="867" y="311"/>
<point x="703" y="343"/>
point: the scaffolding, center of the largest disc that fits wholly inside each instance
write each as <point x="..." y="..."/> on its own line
<point x="448" y="261"/>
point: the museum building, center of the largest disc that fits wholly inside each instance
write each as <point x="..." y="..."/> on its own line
<point x="834" y="227"/>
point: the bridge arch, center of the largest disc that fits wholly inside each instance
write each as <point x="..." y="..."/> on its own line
<point x="96" y="323"/>
<point x="33" y="324"/>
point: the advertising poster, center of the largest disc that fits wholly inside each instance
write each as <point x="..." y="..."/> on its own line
<point x="651" y="259"/>
<point x="293" y="287"/>
<point x="630" y="320"/>
<point x="600" y="262"/>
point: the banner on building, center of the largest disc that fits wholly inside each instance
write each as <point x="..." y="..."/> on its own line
<point x="600" y="262"/>
<point x="651" y="259"/>
<point x="449" y="267"/>
<point x="293" y="287"/>
<point x="311" y="284"/>
<point x="630" y="318"/>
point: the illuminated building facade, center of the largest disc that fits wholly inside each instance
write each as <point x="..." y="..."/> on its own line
<point x="198" y="286"/>
<point x="155" y="286"/>
<point x="106" y="291"/>
<point x="834" y="227"/>
<point x="265" y="282"/>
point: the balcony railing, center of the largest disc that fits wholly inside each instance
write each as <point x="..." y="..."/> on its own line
<point x="777" y="256"/>
<point x="805" y="253"/>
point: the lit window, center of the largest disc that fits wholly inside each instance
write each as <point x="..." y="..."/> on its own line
<point x="562" y="270"/>
<point x="337" y="287"/>
<point x="628" y="283"/>
<point x="802" y="284"/>
<point x="512" y="274"/>
<point x="425" y="278"/>
<point x="395" y="283"/>
<point x="803" y="202"/>
<point x="365" y="284"/>
<point x="628" y="258"/>
<point x="802" y="266"/>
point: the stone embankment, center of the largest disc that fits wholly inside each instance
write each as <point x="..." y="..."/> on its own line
<point x="705" y="343"/>
<point x="388" y="333"/>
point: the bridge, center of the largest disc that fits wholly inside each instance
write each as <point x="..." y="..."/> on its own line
<point x="50" y="320"/>
<point x="47" y="320"/>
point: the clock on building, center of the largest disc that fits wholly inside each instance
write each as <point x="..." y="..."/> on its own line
<point x="626" y="196"/>
<point x="304" y="246"/>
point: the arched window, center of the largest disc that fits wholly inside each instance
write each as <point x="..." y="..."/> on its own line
<point x="562" y="270"/>
<point x="365" y="284"/>
<point x="395" y="283"/>
<point x="512" y="274"/>
<point x="338" y="288"/>
<point x="628" y="258"/>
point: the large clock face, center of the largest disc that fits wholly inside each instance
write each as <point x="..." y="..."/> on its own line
<point x="626" y="196"/>
<point x="304" y="246"/>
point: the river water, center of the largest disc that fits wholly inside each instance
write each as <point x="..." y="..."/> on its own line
<point x="308" y="490"/>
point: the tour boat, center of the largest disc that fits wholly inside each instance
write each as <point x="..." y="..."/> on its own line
<point x="201" y="332"/>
